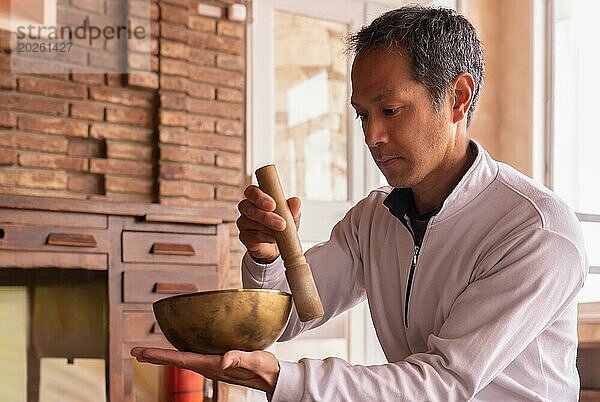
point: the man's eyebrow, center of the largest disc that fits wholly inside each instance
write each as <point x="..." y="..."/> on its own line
<point x="378" y="97"/>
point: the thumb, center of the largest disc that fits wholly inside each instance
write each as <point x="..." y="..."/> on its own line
<point x="231" y="359"/>
<point x="294" y="203"/>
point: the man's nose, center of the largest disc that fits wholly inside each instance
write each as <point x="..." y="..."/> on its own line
<point x="375" y="132"/>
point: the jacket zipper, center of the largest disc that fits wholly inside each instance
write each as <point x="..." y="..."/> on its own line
<point x="411" y="274"/>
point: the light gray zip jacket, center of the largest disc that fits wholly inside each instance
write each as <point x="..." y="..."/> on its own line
<point x="492" y="304"/>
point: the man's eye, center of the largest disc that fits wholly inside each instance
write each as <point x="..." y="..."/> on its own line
<point x="390" y="112"/>
<point x="361" y="116"/>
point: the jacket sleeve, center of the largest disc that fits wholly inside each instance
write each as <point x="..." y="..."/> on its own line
<point x="519" y="289"/>
<point x="337" y="270"/>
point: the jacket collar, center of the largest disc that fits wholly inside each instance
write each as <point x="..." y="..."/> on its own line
<point x="481" y="173"/>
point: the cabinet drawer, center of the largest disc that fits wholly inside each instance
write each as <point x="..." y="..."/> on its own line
<point x="142" y="327"/>
<point x="149" y="286"/>
<point x="171" y="248"/>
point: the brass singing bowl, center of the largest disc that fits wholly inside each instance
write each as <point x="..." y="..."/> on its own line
<point x="217" y="321"/>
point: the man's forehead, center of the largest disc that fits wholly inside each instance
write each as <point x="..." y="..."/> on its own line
<point x="379" y="96"/>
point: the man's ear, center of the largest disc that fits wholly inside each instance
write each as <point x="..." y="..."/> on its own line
<point x="462" y="96"/>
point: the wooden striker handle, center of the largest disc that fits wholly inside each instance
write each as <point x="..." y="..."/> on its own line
<point x="297" y="271"/>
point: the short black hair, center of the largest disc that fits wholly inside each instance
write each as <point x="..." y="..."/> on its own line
<point x="441" y="44"/>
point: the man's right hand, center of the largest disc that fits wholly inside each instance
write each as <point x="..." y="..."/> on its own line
<point x="257" y="222"/>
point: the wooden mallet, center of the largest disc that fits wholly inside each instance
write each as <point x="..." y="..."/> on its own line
<point x="297" y="271"/>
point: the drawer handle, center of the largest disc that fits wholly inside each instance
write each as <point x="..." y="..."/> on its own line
<point x="71" y="239"/>
<point x="172" y="287"/>
<point x="172" y="249"/>
<point x="156" y="329"/>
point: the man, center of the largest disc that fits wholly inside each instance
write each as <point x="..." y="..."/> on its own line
<point x="470" y="268"/>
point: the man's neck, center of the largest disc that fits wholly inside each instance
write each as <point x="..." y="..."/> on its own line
<point x="431" y="193"/>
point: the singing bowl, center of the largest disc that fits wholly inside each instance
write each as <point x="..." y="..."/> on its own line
<point x="214" y="322"/>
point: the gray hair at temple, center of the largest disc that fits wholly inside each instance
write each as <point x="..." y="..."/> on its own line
<point x="441" y="44"/>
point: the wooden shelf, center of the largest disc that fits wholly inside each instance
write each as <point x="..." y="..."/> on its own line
<point x="589" y="395"/>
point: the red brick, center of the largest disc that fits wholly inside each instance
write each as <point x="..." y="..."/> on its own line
<point x="219" y="43"/>
<point x="89" y="147"/>
<point x="89" y="5"/>
<point x="89" y="78"/>
<point x="128" y="185"/>
<point x="117" y="132"/>
<point x="33" y="104"/>
<point x="173" y="100"/>
<point x="53" y="125"/>
<point x="8" y="81"/>
<point x="181" y="3"/>
<point x="143" y="46"/>
<point x="4" y="62"/>
<point x="200" y="173"/>
<point x="174" y="67"/>
<point x="142" y="61"/>
<point x="8" y="156"/>
<point x="215" y="141"/>
<point x="199" y="191"/>
<point x="143" y="79"/>
<point x="89" y="183"/>
<point x="230" y="95"/>
<point x="181" y="84"/>
<point x="229" y="127"/>
<point x="203" y="124"/>
<point x="113" y="79"/>
<point x="128" y="150"/>
<point x="230" y="193"/>
<point x="232" y="29"/>
<point x="128" y="197"/>
<point x="119" y="166"/>
<point x="182" y="201"/>
<point x="230" y="160"/>
<point x="174" y="31"/>
<point x="146" y="28"/>
<point x="217" y="76"/>
<point x="170" y="118"/>
<point x="137" y="116"/>
<point x="230" y="62"/>
<point x="176" y="50"/>
<point x="215" y="108"/>
<point x="8" y="119"/>
<point x="173" y="135"/>
<point x="105" y="59"/>
<point x="33" y="178"/>
<point x="202" y="24"/>
<point x="202" y="57"/>
<point x="122" y="96"/>
<point x="52" y="161"/>
<point x="210" y="174"/>
<point x="88" y="110"/>
<point x="140" y="8"/>
<point x="52" y="88"/>
<point x="40" y="142"/>
<point x="178" y="15"/>
<point x="185" y="154"/>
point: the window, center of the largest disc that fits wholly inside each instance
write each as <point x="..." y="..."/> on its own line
<point x="575" y="134"/>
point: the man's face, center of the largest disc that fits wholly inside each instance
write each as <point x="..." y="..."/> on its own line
<point x="408" y="138"/>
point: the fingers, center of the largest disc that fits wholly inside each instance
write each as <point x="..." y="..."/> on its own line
<point x="269" y="220"/>
<point x="259" y="198"/>
<point x="187" y="360"/>
<point x="294" y="203"/>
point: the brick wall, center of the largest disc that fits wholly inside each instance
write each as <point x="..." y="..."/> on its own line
<point x="174" y="135"/>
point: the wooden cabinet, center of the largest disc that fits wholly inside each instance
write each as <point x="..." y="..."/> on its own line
<point x="147" y="252"/>
<point x="588" y="353"/>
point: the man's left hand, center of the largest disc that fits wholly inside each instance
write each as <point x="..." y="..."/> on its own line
<point x="257" y="369"/>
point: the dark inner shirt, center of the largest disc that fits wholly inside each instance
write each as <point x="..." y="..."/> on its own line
<point x="401" y="204"/>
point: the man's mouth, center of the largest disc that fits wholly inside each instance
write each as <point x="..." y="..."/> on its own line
<point x="387" y="160"/>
